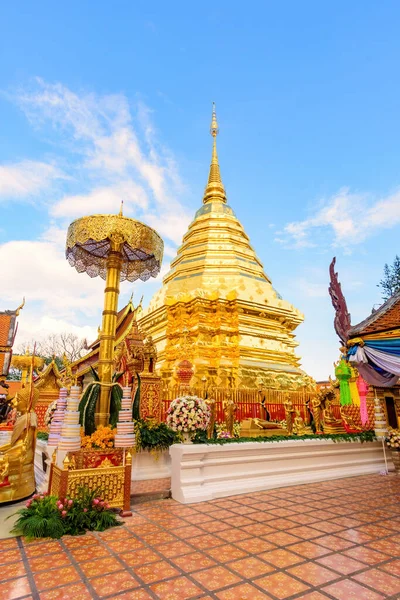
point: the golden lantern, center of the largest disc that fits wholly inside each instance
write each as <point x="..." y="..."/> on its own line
<point x="117" y="248"/>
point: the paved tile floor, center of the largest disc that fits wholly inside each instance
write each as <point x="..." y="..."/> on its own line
<point x="337" y="540"/>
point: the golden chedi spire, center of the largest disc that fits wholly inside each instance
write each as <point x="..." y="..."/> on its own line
<point x="215" y="190"/>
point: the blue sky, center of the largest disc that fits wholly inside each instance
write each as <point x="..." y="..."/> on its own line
<point x="102" y="101"/>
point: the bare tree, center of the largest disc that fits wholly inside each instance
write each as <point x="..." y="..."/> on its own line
<point x="58" y="345"/>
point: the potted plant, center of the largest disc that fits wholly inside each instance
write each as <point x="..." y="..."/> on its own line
<point x="187" y="415"/>
<point x="393" y="442"/>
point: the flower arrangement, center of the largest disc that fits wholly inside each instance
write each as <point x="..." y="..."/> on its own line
<point x="188" y="414"/>
<point x="154" y="436"/>
<point x="49" y="516"/>
<point x="393" y="439"/>
<point x="102" y="438"/>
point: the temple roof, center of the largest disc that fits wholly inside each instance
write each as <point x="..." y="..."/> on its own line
<point x="385" y="318"/>
<point x="8" y="330"/>
<point x="125" y="319"/>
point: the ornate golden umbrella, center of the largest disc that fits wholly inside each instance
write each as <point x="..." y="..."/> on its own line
<point x="116" y="248"/>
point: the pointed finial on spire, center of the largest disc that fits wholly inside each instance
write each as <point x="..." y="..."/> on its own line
<point x="121" y="210"/>
<point x="214" y="130"/>
<point x="215" y="190"/>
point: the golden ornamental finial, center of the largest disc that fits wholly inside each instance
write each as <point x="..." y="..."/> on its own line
<point x="121" y="210"/>
<point x="20" y="307"/>
<point x="214" y="129"/>
<point x="215" y="190"/>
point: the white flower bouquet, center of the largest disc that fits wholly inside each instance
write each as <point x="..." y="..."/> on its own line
<point x="188" y="414"/>
<point x="393" y="439"/>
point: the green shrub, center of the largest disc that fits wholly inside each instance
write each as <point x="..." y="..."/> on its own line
<point x="155" y="436"/>
<point x="49" y="516"/>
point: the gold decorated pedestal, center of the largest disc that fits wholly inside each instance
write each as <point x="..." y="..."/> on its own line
<point x="113" y="482"/>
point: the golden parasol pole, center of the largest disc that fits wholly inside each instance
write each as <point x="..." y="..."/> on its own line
<point x="108" y="331"/>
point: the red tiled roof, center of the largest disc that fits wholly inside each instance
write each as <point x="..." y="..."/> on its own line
<point x="386" y="317"/>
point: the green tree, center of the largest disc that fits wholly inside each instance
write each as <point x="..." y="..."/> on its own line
<point x="390" y="284"/>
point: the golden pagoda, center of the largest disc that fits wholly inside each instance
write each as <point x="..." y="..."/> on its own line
<point x="218" y="308"/>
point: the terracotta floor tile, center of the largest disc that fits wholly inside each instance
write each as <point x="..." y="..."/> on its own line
<point x="79" y="541"/>
<point x="140" y="557"/>
<point x="236" y="521"/>
<point x="233" y="534"/>
<point x="8" y="556"/>
<point x="11" y="570"/>
<point x="341" y="563"/>
<point x="174" y="549"/>
<point x="245" y="591"/>
<point x="138" y="594"/>
<point x="393" y="567"/>
<point x="216" y="578"/>
<point x="388" y="546"/>
<point x="52" y="561"/>
<point x="328" y="527"/>
<point x="334" y="542"/>
<point x="313" y="596"/>
<point x="281" y="524"/>
<point x="258" y="529"/>
<point x="281" y="558"/>
<point x="305" y="532"/>
<point x="48" y="579"/>
<point x="226" y="504"/>
<point x="313" y="574"/>
<point x="193" y="562"/>
<point x="226" y="553"/>
<point x="41" y="549"/>
<point x="255" y="545"/>
<point x="77" y="591"/>
<point x="203" y="542"/>
<point x="379" y="581"/>
<point x="15" y="588"/>
<point x="366" y="555"/>
<point x="244" y="510"/>
<point x="281" y="585"/>
<point x="113" y="583"/>
<point x="356" y="536"/>
<point x="299" y="519"/>
<point x="222" y="514"/>
<point x="251" y="567"/>
<point x="176" y="589"/>
<point x="8" y="544"/>
<point x="350" y="590"/>
<point x="347" y="522"/>
<point x="188" y="532"/>
<point x="376" y="530"/>
<point x="124" y="545"/>
<point x="281" y="538"/>
<point x="214" y="526"/>
<point x="101" y="566"/>
<point x="197" y="519"/>
<point x="392" y="525"/>
<point x="155" y="539"/>
<point x="156" y="572"/>
<point x="309" y="549"/>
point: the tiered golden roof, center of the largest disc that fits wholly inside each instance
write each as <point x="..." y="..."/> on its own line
<point x="218" y="307"/>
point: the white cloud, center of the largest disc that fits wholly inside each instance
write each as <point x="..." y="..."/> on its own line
<point x="27" y="178"/>
<point x="103" y="200"/>
<point x="350" y="218"/>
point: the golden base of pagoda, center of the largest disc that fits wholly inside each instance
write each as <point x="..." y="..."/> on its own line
<point x="112" y="482"/>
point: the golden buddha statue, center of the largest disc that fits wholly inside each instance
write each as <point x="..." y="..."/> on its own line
<point x="17" y="457"/>
<point x="229" y="411"/>
<point x="289" y="412"/>
<point x="299" y="427"/>
<point x="213" y="415"/>
<point x="331" y="423"/>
